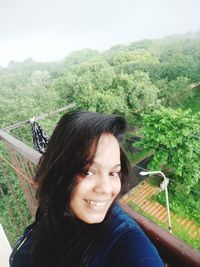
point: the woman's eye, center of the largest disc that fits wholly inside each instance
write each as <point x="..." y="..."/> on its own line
<point x="89" y="173"/>
<point x="115" y="174"/>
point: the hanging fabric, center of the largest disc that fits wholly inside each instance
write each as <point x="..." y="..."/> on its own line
<point x="39" y="137"/>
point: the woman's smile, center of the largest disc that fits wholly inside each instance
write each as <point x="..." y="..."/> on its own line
<point x="96" y="204"/>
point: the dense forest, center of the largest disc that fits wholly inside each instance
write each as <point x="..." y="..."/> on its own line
<point x="155" y="84"/>
<point x="132" y="79"/>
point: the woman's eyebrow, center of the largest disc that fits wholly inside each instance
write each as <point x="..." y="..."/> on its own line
<point x="98" y="164"/>
<point x="118" y="165"/>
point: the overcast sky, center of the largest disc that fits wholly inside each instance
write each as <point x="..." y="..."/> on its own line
<point x="49" y="30"/>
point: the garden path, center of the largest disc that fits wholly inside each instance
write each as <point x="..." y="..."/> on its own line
<point x="141" y="197"/>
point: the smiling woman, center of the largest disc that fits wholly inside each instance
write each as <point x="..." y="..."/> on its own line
<point x="78" y="221"/>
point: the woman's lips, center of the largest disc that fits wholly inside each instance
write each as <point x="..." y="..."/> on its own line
<point x="96" y="204"/>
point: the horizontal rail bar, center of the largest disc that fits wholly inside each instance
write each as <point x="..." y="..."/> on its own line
<point x="40" y="117"/>
<point x="20" y="147"/>
<point x="172" y="250"/>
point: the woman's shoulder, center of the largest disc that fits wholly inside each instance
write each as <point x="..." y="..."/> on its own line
<point x="123" y="228"/>
<point x="129" y="245"/>
<point x="121" y="221"/>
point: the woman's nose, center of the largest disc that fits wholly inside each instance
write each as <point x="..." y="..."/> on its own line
<point x="103" y="185"/>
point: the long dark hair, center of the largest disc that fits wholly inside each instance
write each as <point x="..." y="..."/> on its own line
<point x="70" y="151"/>
<point x="71" y="147"/>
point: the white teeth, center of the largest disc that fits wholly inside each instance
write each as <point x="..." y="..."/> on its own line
<point x="95" y="203"/>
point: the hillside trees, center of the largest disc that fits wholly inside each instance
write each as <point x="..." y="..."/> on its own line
<point x="40" y="78"/>
<point x="131" y="79"/>
<point x="94" y="84"/>
<point x="129" y="62"/>
<point x="97" y="71"/>
<point x="26" y="104"/>
<point x="175" y="65"/>
<point x="175" y="92"/>
<point x="80" y="56"/>
<point x="89" y="86"/>
<point x="174" y="136"/>
<point x="23" y="95"/>
<point x="141" y="95"/>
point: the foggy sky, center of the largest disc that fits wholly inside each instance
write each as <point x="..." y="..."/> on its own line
<point x="50" y="29"/>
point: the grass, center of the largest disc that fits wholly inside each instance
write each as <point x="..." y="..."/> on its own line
<point x="178" y="230"/>
<point x="184" y="205"/>
<point x="139" y="156"/>
<point x="155" y="180"/>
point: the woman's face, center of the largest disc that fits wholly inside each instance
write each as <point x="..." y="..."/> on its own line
<point x="96" y="191"/>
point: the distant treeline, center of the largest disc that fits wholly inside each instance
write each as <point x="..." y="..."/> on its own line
<point x="132" y="79"/>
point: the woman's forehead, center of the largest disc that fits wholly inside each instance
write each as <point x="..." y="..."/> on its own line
<point x="108" y="151"/>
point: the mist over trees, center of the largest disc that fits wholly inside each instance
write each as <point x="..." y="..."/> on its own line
<point x="132" y="79"/>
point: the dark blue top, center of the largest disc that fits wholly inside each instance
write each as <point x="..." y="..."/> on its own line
<point x="125" y="244"/>
<point x="122" y="243"/>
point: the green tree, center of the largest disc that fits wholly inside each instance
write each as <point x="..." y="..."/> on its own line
<point x="136" y="57"/>
<point x="78" y="57"/>
<point x="97" y="71"/>
<point x="141" y="95"/>
<point x="20" y="99"/>
<point x="174" y="63"/>
<point x="110" y="54"/>
<point x="40" y="78"/>
<point x="81" y="89"/>
<point x="174" y="136"/>
<point x="175" y="92"/>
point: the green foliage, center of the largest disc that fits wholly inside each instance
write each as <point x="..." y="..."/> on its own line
<point x="141" y="95"/>
<point x="26" y="104"/>
<point x="78" y="57"/>
<point x="110" y="54"/>
<point x="174" y="136"/>
<point x="143" y="75"/>
<point x="139" y="156"/>
<point x="15" y="214"/>
<point x="182" y="204"/>
<point x="25" y="96"/>
<point x="175" y="65"/>
<point x="193" y="103"/>
<point x="137" y="57"/>
<point x="40" y="78"/>
<point x="175" y="92"/>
